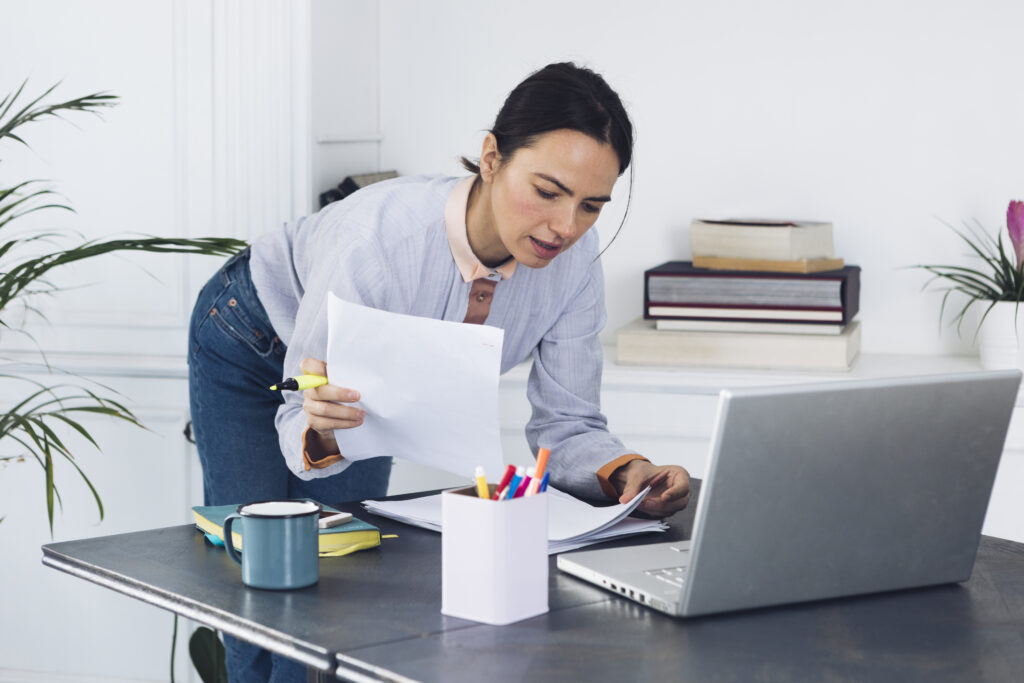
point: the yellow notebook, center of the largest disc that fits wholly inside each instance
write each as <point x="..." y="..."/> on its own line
<point x="334" y="541"/>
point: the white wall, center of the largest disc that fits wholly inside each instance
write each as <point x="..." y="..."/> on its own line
<point x="877" y="116"/>
<point x="345" y="81"/>
<point x="880" y="116"/>
<point x="211" y="137"/>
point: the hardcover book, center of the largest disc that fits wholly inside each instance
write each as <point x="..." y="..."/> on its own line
<point x="761" y="239"/>
<point x="334" y="541"/>
<point x="640" y="343"/>
<point x="679" y="290"/>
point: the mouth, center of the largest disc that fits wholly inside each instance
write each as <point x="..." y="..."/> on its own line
<point x="545" y="250"/>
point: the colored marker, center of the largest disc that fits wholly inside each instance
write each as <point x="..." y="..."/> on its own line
<point x="481" y="484"/>
<point x="299" y="383"/>
<point x="544" y="483"/>
<point x="524" y="484"/>
<point x="542" y="461"/>
<point x="505" y="479"/>
<point x="513" y="485"/>
<point x="534" y="486"/>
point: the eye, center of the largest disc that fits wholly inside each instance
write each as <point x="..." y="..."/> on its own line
<point x="544" y="193"/>
<point x="591" y="208"/>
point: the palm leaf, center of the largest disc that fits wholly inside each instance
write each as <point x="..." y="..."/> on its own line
<point x="17" y="279"/>
<point x="26" y="423"/>
<point x="1000" y="280"/>
<point x="49" y="488"/>
<point x="92" y="489"/>
<point x="31" y="112"/>
<point x="42" y="420"/>
<point x="51" y="437"/>
<point x="8" y="101"/>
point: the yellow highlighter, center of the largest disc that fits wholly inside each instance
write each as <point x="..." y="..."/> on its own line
<point x="481" y="484"/>
<point x="299" y="383"/>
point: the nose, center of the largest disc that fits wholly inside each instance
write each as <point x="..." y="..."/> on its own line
<point x="564" y="223"/>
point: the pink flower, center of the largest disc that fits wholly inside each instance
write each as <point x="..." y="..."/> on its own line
<point x="1015" y="226"/>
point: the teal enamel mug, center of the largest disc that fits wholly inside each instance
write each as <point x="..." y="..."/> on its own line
<point x="280" y="543"/>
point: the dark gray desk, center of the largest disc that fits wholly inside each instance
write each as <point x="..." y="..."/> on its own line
<point x="375" y="615"/>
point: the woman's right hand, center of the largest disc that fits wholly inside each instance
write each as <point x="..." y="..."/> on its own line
<point x="325" y="406"/>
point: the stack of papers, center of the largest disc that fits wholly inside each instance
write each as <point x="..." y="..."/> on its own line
<point x="571" y="522"/>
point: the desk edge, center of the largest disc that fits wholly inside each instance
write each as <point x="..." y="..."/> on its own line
<point x="320" y="659"/>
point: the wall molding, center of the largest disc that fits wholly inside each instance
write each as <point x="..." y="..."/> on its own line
<point x="260" y="103"/>
<point x="240" y="165"/>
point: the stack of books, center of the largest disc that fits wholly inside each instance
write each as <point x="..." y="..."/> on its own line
<point x="758" y="294"/>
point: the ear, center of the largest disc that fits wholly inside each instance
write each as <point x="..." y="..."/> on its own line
<point x="490" y="158"/>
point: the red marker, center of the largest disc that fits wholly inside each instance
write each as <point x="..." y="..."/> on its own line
<point x="505" y="479"/>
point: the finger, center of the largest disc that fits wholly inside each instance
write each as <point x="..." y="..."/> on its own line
<point x="313" y="366"/>
<point x="323" y="415"/>
<point x="327" y="392"/>
<point x="674" y="496"/>
<point x="330" y="410"/>
<point x="657" y="480"/>
<point x="675" y="502"/>
<point x="634" y="485"/>
<point x="675" y="489"/>
<point x="327" y="425"/>
<point x="664" y="508"/>
<point x="330" y="392"/>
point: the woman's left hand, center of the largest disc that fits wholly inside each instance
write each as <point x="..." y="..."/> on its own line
<point x="670" y="486"/>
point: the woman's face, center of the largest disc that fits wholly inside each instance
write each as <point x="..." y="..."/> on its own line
<point x="544" y="198"/>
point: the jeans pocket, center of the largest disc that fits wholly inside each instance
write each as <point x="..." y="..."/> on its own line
<point x="231" y="315"/>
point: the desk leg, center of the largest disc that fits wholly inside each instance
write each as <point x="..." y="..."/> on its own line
<point x="317" y="676"/>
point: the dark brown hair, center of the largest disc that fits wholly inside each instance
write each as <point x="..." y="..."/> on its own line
<point x="562" y="96"/>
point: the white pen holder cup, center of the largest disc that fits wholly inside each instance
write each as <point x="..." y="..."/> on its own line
<point x="494" y="557"/>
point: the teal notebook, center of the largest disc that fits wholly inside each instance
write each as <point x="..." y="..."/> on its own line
<point x="334" y="542"/>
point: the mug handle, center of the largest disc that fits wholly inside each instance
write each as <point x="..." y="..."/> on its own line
<point x="228" y="543"/>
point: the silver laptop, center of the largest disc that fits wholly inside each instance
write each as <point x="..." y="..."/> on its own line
<point x="827" y="490"/>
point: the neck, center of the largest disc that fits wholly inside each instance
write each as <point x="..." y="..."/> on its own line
<point x="480" y="227"/>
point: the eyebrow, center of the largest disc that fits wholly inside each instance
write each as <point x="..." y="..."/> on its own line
<point x="563" y="188"/>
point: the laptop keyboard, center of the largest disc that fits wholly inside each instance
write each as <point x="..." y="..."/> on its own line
<point x="671" y="575"/>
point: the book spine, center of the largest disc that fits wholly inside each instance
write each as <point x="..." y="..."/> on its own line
<point x="740" y="349"/>
<point x="656" y="311"/>
<point x="757" y="326"/>
<point x="851" y="295"/>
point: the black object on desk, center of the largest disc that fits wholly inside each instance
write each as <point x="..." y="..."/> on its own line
<point x="376" y="614"/>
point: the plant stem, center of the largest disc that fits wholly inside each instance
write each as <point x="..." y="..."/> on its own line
<point x="174" y="645"/>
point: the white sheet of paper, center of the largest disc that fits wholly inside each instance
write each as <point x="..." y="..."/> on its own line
<point x="429" y="387"/>
<point x="572" y="523"/>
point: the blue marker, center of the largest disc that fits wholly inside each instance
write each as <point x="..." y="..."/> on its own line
<point x="544" y="483"/>
<point x="514" y="484"/>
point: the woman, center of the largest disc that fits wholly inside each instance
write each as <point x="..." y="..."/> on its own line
<point x="509" y="246"/>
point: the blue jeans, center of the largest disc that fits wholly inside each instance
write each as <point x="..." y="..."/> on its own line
<point x="234" y="355"/>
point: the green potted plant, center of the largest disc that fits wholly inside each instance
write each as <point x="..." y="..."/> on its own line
<point x="34" y="428"/>
<point x="997" y="284"/>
